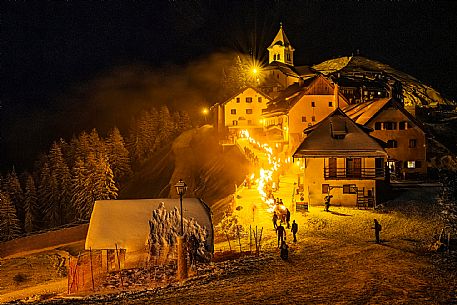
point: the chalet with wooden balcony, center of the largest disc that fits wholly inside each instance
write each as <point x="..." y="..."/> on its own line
<point x="405" y="136"/>
<point x="339" y="157"/>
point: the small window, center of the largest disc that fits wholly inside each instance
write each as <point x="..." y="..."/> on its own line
<point x="349" y="189"/>
<point x="402" y="125"/>
<point x="392" y="144"/>
<point x="377" y="126"/>
<point x="234" y="122"/>
<point x="279" y="57"/>
<point x="411" y="164"/>
<point x="248" y="111"/>
<point x="325" y="188"/>
<point x="249" y="122"/>
<point x="233" y="111"/>
<point x="303" y="119"/>
<point x="237" y="99"/>
<point x="412" y="143"/>
<point x="313" y="104"/>
<point x="313" y="118"/>
<point x="330" y="104"/>
<point x="259" y="99"/>
<point x="249" y="100"/>
<point x="390" y="125"/>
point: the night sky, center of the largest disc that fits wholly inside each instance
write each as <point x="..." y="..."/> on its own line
<point x="48" y="48"/>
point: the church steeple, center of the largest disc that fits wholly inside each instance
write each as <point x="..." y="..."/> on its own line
<point x="280" y="49"/>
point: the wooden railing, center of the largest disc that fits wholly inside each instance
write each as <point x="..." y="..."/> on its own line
<point x="360" y="173"/>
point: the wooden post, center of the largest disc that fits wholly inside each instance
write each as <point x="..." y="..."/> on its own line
<point x="91" y="268"/>
<point x="238" y="235"/>
<point x="260" y="239"/>
<point x="119" y="266"/>
<point x="250" y="239"/>
<point x="74" y="272"/>
<point x="69" y="274"/>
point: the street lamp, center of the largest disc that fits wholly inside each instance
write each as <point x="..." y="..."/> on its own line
<point x="181" y="188"/>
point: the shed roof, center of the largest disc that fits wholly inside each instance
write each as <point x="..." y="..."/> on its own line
<point x="125" y="222"/>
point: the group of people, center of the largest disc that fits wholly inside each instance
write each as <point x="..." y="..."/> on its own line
<point x="251" y="156"/>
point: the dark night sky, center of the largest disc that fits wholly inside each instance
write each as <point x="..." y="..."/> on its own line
<point x="48" y="47"/>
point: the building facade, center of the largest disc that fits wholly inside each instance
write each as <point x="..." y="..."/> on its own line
<point x="339" y="158"/>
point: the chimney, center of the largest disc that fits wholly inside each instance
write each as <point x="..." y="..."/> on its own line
<point x="336" y="95"/>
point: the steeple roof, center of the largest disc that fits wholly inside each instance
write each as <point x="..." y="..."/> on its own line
<point x="281" y="39"/>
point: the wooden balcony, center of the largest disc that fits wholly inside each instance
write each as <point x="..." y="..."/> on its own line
<point x="354" y="174"/>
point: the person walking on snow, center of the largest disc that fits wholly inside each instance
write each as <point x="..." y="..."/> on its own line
<point x="377" y="229"/>
<point x="294" y="230"/>
<point x="281" y="232"/>
<point x="288" y="218"/>
<point x="275" y="220"/>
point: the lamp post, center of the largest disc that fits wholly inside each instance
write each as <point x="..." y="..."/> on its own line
<point x="181" y="188"/>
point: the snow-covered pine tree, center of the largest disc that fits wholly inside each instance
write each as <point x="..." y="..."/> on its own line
<point x="31" y="205"/>
<point x="83" y="146"/>
<point x="118" y="155"/>
<point x="82" y="200"/>
<point x="143" y="134"/>
<point x="185" y="123"/>
<point x="97" y="145"/>
<point x="49" y="198"/>
<point x="104" y="186"/>
<point x="10" y="227"/>
<point x="60" y="171"/>
<point x="14" y="190"/>
<point x="166" y="124"/>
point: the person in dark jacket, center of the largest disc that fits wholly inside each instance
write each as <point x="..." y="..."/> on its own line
<point x="284" y="250"/>
<point x="377" y="229"/>
<point x="288" y="218"/>
<point x="275" y="220"/>
<point x="294" y="230"/>
<point x="281" y="232"/>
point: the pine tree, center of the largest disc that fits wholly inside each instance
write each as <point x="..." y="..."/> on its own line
<point x="10" y="227"/>
<point x="61" y="173"/>
<point x="104" y="184"/>
<point x="185" y="122"/>
<point x="166" y="126"/>
<point x="16" y="195"/>
<point x="49" y="198"/>
<point x="31" y="208"/>
<point x="81" y="199"/>
<point x="118" y="155"/>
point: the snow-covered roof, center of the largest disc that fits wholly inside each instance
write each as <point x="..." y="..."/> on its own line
<point x="338" y="136"/>
<point x="125" y="222"/>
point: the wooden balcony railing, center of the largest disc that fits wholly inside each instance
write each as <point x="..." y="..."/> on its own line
<point x="359" y="173"/>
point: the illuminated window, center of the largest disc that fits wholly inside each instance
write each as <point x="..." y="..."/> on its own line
<point x="377" y="126"/>
<point x="303" y="119"/>
<point x="249" y="100"/>
<point x="411" y="164"/>
<point x="349" y="189"/>
<point x="313" y="104"/>
<point x="233" y="111"/>
<point x="259" y="99"/>
<point x="237" y="99"/>
<point x="330" y="104"/>
<point x="248" y="111"/>
<point x="392" y="144"/>
<point x="313" y="118"/>
<point x="412" y="143"/>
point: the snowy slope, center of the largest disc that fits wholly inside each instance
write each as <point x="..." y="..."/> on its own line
<point x="415" y="92"/>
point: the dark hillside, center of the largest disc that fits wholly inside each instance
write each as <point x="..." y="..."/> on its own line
<point x="197" y="158"/>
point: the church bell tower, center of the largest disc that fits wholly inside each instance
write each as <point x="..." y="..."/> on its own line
<point x="280" y="49"/>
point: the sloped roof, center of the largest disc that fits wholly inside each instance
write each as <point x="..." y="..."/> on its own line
<point x="292" y="94"/>
<point x="356" y="143"/>
<point x="125" y="222"/>
<point x="281" y="39"/>
<point x="363" y="113"/>
<point x="284" y="68"/>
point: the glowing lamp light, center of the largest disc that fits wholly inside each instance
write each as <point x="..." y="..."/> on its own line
<point x="254" y="70"/>
<point x="205" y="111"/>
